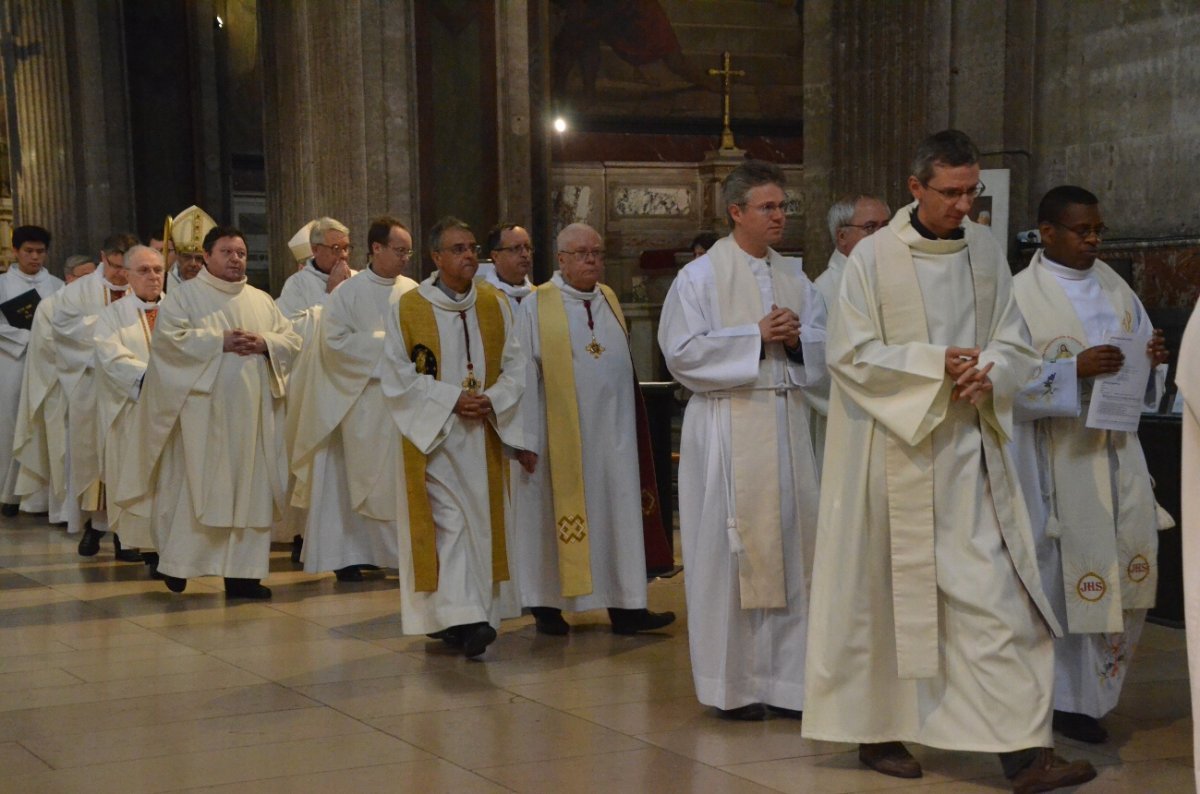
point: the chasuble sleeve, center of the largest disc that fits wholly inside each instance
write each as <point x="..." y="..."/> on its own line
<point x="699" y="354"/>
<point x="115" y="362"/>
<point x="534" y="399"/>
<point x="13" y="340"/>
<point x="904" y="387"/>
<point x="506" y="392"/>
<point x="812" y="372"/>
<point x="283" y="346"/>
<point x="73" y="339"/>
<point x="1015" y="361"/>
<point x="421" y="405"/>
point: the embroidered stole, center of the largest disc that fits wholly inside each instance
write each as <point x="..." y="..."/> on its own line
<point x="1109" y="560"/>
<point x="419" y="327"/>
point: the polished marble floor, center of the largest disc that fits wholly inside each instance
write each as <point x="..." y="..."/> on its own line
<point x="108" y="683"/>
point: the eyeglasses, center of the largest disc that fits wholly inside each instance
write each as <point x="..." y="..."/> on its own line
<point x="401" y="253"/>
<point x="523" y="248"/>
<point x="1084" y="232"/>
<point x="338" y="250"/>
<point x="870" y="227"/>
<point x="462" y="248"/>
<point x="954" y="195"/>
<point x="584" y="255"/>
<point x="769" y="208"/>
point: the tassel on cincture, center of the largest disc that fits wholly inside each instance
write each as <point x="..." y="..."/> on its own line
<point x="1053" y="528"/>
<point x="735" y="538"/>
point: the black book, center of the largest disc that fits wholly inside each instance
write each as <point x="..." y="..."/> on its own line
<point x="19" y="311"/>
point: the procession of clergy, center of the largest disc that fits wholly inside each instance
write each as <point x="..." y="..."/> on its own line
<point x="974" y="572"/>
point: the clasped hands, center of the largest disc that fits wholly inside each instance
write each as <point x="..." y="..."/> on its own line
<point x="971" y="383"/>
<point x="780" y="325"/>
<point x="473" y="406"/>
<point x="244" y="343"/>
<point x="1107" y="359"/>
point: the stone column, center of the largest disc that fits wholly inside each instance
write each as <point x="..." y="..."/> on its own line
<point x="339" y="118"/>
<point x="67" y="120"/>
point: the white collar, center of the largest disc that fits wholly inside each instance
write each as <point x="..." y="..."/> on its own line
<point x="571" y="291"/>
<point x="1062" y="271"/>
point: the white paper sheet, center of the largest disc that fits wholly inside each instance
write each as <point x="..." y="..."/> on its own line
<point x="1118" y="399"/>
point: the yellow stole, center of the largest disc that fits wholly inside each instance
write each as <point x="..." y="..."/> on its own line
<point x="419" y="327"/>
<point x="564" y="442"/>
<point x="1102" y="544"/>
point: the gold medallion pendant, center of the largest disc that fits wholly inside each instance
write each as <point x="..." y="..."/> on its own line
<point x="595" y="348"/>
<point x="471" y="383"/>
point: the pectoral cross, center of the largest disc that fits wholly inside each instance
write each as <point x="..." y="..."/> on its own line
<point x="728" y="73"/>
<point x="470" y="383"/>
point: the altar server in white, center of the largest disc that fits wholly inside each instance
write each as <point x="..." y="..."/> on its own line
<point x="343" y="444"/>
<point x="744" y="329"/>
<point x="22" y="287"/>
<point x="453" y="377"/>
<point x="579" y="537"/>
<point x="1089" y="492"/>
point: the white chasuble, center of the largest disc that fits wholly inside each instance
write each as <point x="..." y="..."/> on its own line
<point x="928" y="621"/>
<point x="122" y="340"/>
<point x="1089" y="492"/>
<point x="743" y="654"/>
<point x="829" y="283"/>
<point x="40" y="436"/>
<point x="14" y="343"/>
<point x="303" y="290"/>
<point x="1187" y="378"/>
<point x="604" y="396"/>
<point x="341" y="438"/>
<point x="209" y="450"/>
<point x="455" y="449"/>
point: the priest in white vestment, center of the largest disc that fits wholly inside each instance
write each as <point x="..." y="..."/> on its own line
<point x="74" y="323"/>
<point x="185" y="235"/>
<point x="343" y="444"/>
<point x="1089" y="492"/>
<point x="210" y="425"/>
<point x="328" y="267"/>
<point x="453" y="378"/>
<point x="850" y="219"/>
<point x="929" y="623"/>
<point x="22" y="288"/>
<point x="1187" y="378"/>
<point x="579" y="538"/>
<point x="122" y="339"/>
<point x="40" y="436"/>
<point x="511" y="252"/>
<point x="744" y="329"/>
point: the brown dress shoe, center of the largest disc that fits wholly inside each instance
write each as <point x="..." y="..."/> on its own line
<point x="1048" y="772"/>
<point x="890" y="758"/>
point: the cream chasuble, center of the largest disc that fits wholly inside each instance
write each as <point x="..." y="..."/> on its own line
<point x="1187" y="378"/>
<point x="454" y="526"/>
<point x="14" y="343"/>
<point x="926" y="594"/>
<point x="744" y="655"/>
<point x="303" y="290"/>
<point x="343" y="444"/>
<point x="209" y="440"/>
<point x="74" y="323"/>
<point x="122" y="351"/>
<point x="40" y="437"/>
<point x="829" y="283"/>
<point x="579" y="538"/>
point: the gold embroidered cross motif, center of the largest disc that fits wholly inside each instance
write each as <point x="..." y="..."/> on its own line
<point x="572" y="529"/>
<point x="594" y="347"/>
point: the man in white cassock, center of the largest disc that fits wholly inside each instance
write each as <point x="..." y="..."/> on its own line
<point x="343" y="444"/>
<point x="1187" y="378"/>
<point x="511" y="252"/>
<point x="579" y="540"/>
<point x="122" y="338"/>
<point x="453" y="375"/>
<point x="210" y="425"/>
<point x="744" y="329"/>
<point x="22" y="288"/>
<point x="850" y="219"/>
<point x="328" y="267"/>
<point x="928" y="621"/>
<point x="73" y="324"/>
<point x="1090" y="496"/>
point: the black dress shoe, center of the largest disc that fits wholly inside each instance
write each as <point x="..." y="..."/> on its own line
<point x="151" y="560"/>
<point x="754" y="712"/>
<point x="297" y="547"/>
<point x="1080" y="727"/>
<point x="890" y="758"/>
<point x="9" y="511"/>
<point x="549" y="620"/>
<point x="452" y="636"/>
<point x="632" y="621"/>
<point x="790" y="714"/>
<point x="89" y="544"/>
<point x="351" y="573"/>
<point x="123" y="554"/>
<point x="246" y="588"/>
<point x="174" y="583"/>
<point x="476" y="638"/>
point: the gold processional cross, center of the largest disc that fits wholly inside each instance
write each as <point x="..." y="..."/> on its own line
<point x="727" y="143"/>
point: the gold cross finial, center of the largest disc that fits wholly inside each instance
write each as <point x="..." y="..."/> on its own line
<point x="728" y="73"/>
